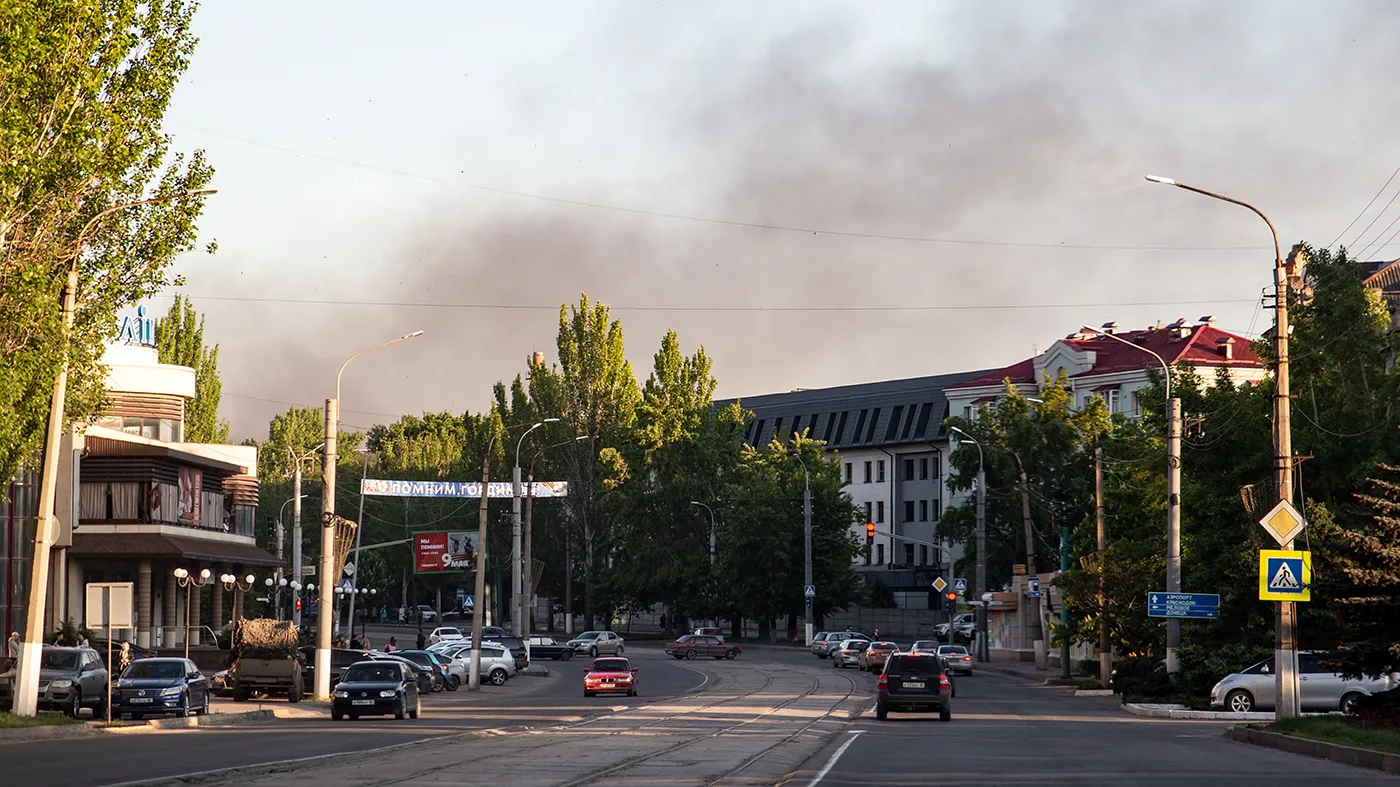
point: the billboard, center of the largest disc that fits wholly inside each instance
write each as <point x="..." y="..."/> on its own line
<point x="443" y="552"/>
<point x="495" y="489"/>
<point x="191" y="482"/>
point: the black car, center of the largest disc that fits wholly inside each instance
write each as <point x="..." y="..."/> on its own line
<point x="376" y="688"/>
<point x="341" y="659"/>
<point x="548" y="648"/>
<point x="425" y="679"/>
<point x="914" y="683"/>
<point x="152" y="686"/>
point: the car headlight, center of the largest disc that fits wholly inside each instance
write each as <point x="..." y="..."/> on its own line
<point x="61" y="684"/>
<point x="173" y="691"/>
<point x="388" y="693"/>
<point x="342" y="694"/>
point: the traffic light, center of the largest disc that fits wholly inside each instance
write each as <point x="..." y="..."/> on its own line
<point x="298" y="605"/>
<point x="952" y="598"/>
<point x="869" y="533"/>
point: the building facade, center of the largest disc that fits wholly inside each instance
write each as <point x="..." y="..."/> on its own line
<point x="889" y="440"/>
<point x="134" y="503"/>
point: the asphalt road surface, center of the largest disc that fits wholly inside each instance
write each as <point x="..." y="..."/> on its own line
<point x="1008" y="731"/>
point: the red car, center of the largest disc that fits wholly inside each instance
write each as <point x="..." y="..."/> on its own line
<point x="610" y="676"/>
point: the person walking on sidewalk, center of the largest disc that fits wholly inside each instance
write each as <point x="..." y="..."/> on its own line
<point x="393" y="645"/>
<point x="422" y="639"/>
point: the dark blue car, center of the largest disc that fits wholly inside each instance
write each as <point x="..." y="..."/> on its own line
<point x="155" y="686"/>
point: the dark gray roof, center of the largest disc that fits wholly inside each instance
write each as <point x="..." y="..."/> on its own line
<point x="892" y="412"/>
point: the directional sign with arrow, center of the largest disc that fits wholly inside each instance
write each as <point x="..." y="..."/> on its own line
<point x="1183" y="605"/>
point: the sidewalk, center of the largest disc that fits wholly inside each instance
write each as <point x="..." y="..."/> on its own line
<point x="1006" y="664"/>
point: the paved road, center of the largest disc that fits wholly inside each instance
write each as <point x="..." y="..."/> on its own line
<point x="113" y="759"/>
<point x="1008" y="731"/>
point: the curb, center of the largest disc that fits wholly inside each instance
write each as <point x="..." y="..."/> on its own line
<point x="1015" y="673"/>
<point x="1334" y="752"/>
<point x="1180" y="712"/>
<point x="1093" y="692"/>
<point x="49" y="732"/>
<point x="212" y="720"/>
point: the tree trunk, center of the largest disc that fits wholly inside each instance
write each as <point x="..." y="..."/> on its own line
<point x="792" y="627"/>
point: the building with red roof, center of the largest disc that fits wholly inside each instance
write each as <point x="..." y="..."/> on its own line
<point x="1100" y="365"/>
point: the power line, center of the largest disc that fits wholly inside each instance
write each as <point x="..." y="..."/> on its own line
<point x="1363" y="210"/>
<point x="709" y="219"/>
<point x="886" y="308"/>
<point x="312" y="407"/>
<point x="1375" y="219"/>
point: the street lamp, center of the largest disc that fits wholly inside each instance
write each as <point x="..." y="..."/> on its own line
<point x="981" y="589"/>
<point x="1285" y="621"/>
<point x="359" y="533"/>
<point x="297" y="462"/>
<point x="328" y="569"/>
<point x="26" y="689"/>
<point x="806" y="542"/>
<point x="231" y="583"/>
<point x="515" y="528"/>
<point x="189" y="583"/>
<point x="527" y="560"/>
<point x="713" y="621"/>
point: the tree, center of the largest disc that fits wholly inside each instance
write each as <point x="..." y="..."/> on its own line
<point x="84" y="85"/>
<point x="180" y="341"/>
<point x="1366" y="595"/>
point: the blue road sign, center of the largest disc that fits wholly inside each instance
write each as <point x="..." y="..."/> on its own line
<point x="1033" y="587"/>
<point x="810" y="591"/>
<point x="960" y="584"/>
<point x="469" y="603"/>
<point x="1183" y="605"/>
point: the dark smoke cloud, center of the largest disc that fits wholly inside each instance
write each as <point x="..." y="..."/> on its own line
<point x="1030" y="135"/>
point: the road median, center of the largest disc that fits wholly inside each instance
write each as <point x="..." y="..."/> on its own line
<point x="1324" y="750"/>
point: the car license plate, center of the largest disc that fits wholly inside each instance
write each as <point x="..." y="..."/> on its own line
<point x="913" y="685"/>
<point x="362" y="702"/>
<point x="140" y="699"/>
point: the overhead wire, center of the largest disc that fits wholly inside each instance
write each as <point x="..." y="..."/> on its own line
<point x="1377" y="196"/>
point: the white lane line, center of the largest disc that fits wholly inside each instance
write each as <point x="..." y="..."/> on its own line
<point x="836" y="755"/>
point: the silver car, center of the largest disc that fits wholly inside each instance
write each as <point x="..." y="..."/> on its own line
<point x="596" y="643"/>
<point x="826" y="641"/>
<point x="1319" y="689"/>
<point x="847" y="653"/>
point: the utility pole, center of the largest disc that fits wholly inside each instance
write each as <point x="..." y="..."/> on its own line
<point x="359" y="531"/>
<point x="1173" y="530"/>
<point x="296" y="538"/>
<point x="1026" y="518"/>
<point x="474" y="673"/>
<point x="807" y="542"/>
<point x="982" y="654"/>
<point x="1064" y="611"/>
<point x="1105" y="650"/>
<point x="517" y="574"/>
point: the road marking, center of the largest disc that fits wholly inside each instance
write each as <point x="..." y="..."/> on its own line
<point x="836" y="755"/>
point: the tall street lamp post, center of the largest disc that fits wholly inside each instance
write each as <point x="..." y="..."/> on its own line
<point x="516" y="574"/>
<point x="527" y="560"/>
<point x="238" y="588"/>
<point x="715" y="621"/>
<point x="981" y="547"/>
<point x="1285" y="621"/>
<point x="189" y="582"/>
<point x="806" y="543"/>
<point x="26" y="687"/>
<point x="296" y="524"/>
<point x="329" y="572"/>
<point x="359" y="532"/>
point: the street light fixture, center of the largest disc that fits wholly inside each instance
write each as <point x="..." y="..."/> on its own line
<point x="232" y="583"/>
<point x="1285" y="621"/>
<point x="806" y="542"/>
<point x="189" y="583"/>
<point x="981" y="589"/>
<point x="515" y="527"/>
<point x="26" y="688"/>
<point x="328" y="570"/>
<point x="527" y="560"/>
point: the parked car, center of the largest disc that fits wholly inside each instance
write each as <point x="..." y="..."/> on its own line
<point x="692" y="646"/>
<point x="925" y="646"/>
<point x="428" y="662"/>
<point x="376" y="688"/>
<point x="914" y="683"/>
<point x="422" y="678"/>
<point x="548" y="648"/>
<point x="710" y="631"/>
<point x="426" y="613"/>
<point x="610" y="676"/>
<point x="445" y="634"/>
<point x="957" y="658"/>
<point x="153" y="686"/>
<point x="71" y="679"/>
<point x="341" y="658"/>
<point x="872" y="658"/>
<point x="1319" y="688"/>
<point x="597" y="642"/>
<point x="847" y="652"/>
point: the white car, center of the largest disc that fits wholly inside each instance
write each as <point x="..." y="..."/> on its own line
<point x="445" y="634"/>
<point x="427" y="612"/>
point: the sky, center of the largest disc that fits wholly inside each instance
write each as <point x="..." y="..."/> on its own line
<point x="819" y="193"/>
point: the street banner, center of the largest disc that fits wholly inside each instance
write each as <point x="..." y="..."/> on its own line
<point x="444" y="552"/>
<point x="496" y="489"/>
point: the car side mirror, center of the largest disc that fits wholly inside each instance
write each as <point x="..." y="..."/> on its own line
<point x="634" y="671"/>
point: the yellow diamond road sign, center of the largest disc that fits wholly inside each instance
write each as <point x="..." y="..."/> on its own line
<point x="939" y="584"/>
<point x="1283" y="522"/>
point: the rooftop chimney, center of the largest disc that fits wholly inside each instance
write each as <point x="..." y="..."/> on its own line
<point x="1208" y="319"/>
<point x="1226" y="345"/>
<point x="1110" y="327"/>
<point x="537" y="359"/>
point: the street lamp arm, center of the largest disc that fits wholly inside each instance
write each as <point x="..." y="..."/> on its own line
<point x="366" y="352"/>
<point x="1166" y="369"/>
<point x="1278" y="257"/>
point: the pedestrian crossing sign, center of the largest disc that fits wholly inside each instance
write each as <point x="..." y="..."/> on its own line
<point x="1285" y="575"/>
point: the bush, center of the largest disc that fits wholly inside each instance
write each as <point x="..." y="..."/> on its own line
<point x="1203" y="666"/>
<point x="1141" y="679"/>
<point x="1089" y="667"/>
<point x="1378" y="711"/>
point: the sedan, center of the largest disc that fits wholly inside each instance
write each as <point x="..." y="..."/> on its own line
<point x="847" y="654"/>
<point x="693" y="646"/>
<point x="548" y="648"/>
<point x="430" y="663"/>
<point x="914" y="683"/>
<point x="376" y="688"/>
<point x="957" y="658"/>
<point x="610" y="676"/>
<point x="872" y="659"/>
<point x="422" y="677"/>
<point x="597" y="642"/>
<point x="151" y="686"/>
<point x="445" y="634"/>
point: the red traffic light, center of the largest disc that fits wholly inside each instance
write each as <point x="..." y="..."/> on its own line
<point x="869" y="533"/>
<point x="298" y="605"/>
<point x="951" y="596"/>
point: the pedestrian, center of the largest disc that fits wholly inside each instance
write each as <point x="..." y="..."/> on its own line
<point x="124" y="657"/>
<point x="355" y="643"/>
<point x="365" y="644"/>
<point x="401" y="611"/>
<point x="83" y="640"/>
<point x="422" y="639"/>
<point x="12" y="645"/>
<point x="392" y="646"/>
<point x="58" y="639"/>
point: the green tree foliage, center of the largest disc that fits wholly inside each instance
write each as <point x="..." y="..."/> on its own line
<point x="1366" y="595"/>
<point x="180" y="341"/>
<point x="84" y="86"/>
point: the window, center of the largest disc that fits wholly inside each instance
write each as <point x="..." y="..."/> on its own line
<point x="908" y="554"/>
<point x="880" y="511"/>
<point x="937" y="509"/>
<point x="848" y="472"/>
<point x="893" y="428"/>
<point x="868" y="518"/>
<point x="869" y="558"/>
<point x="870" y="431"/>
<point x="1137" y="403"/>
<point x="908" y="469"/>
<point x="923" y="555"/>
<point x="867" y="472"/>
<point x="923" y="510"/>
<point x="879" y="554"/>
<point x="860" y="426"/>
<point x="909" y="511"/>
<point x="1110" y="398"/>
<point x="937" y="464"/>
<point x="967" y="412"/>
<point x="923" y="469"/>
<point x="880" y="471"/>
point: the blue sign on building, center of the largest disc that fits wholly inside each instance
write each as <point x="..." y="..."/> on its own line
<point x="1183" y="605"/>
<point x="139" y="330"/>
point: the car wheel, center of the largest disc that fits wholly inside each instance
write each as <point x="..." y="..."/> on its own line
<point x="1348" y="705"/>
<point x="881" y="712"/>
<point x="75" y="703"/>
<point x="732" y="654"/>
<point x="417" y="707"/>
<point x="568" y="654"/>
<point x="336" y="716"/>
<point x="185" y="705"/>
<point x="620" y="649"/>
<point x="1239" y="701"/>
<point x="454" y="684"/>
<point x="499" y="677"/>
<point x="402" y="710"/>
<point x="690" y="654"/>
<point x="587" y="693"/>
<point x="593" y="652"/>
<point x="945" y="714"/>
<point x="204" y="709"/>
